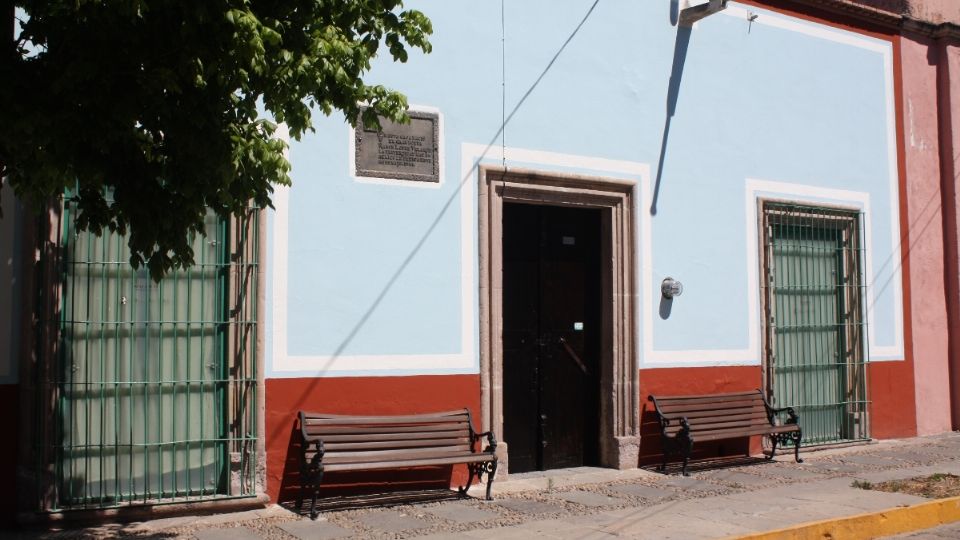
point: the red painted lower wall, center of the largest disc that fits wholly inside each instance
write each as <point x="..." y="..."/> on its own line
<point x="892" y="403"/>
<point x="891" y="391"/>
<point x="699" y="380"/>
<point x="9" y="404"/>
<point x="358" y="395"/>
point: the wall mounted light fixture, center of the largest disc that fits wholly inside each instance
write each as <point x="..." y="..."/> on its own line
<point x="690" y="15"/>
<point x="671" y="287"/>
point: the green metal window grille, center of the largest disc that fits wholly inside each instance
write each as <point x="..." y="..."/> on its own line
<point x="815" y="331"/>
<point x="152" y="390"/>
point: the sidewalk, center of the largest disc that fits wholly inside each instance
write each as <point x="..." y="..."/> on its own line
<point x="599" y="503"/>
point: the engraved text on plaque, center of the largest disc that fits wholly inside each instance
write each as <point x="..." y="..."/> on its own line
<point x="401" y="151"/>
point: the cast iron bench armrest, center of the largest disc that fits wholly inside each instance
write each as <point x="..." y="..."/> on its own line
<point x="794" y="418"/>
<point x="773" y="411"/>
<point x="665" y="422"/>
<point x="491" y="440"/>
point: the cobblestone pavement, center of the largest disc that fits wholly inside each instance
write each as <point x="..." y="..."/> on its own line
<point x="752" y="495"/>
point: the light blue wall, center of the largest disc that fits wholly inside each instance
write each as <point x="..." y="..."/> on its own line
<point x="375" y="269"/>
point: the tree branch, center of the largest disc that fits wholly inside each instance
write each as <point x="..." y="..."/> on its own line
<point x="8" y="14"/>
<point x="9" y="53"/>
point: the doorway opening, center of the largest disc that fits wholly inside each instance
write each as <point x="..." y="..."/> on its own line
<point x="558" y="367"/>
<point x="551" y="336"/>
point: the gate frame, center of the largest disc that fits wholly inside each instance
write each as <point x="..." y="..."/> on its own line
<point x="765" y="334"/>
<point x="40" y="255"/>
<point x="619" y="373"/>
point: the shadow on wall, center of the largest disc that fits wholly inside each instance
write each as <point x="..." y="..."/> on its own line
<point x="666" y="307"/>
<point x="680" y="46"/>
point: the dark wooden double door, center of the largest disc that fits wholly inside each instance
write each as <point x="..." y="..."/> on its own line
<point x="551" y="336"/>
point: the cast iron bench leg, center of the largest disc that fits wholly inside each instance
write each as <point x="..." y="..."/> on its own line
<point x="796" y="446"/>
<point x="490" y="474"/>
<point x="316" y="488"/>
<point x="303" y="478"/>
<point x="686" y="445"/>
<point x="687" y="450"/>
<point x="774" y="439"/>
<point x="473" y="469"/>
<point x="666" y="449"/>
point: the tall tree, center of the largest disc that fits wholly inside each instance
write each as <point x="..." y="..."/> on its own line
<point x="152" y="108"/>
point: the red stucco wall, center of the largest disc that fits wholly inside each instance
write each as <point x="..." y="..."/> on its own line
<point x="892" y="412"/>
<point x="699" y="380"/>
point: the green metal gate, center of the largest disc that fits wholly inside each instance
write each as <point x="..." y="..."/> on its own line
<point x="153" y="387"/>
<point x="815" y="330"/>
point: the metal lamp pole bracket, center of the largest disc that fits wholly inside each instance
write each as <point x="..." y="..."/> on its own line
<point x="690" y="15"/>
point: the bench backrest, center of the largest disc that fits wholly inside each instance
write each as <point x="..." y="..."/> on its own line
<point x="417" y="436"/>
<point x="738" y="410"/>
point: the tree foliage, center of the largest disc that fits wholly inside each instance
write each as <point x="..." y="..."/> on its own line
<point x="158" y="103"/>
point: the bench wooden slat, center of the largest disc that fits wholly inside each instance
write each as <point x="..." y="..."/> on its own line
<point x="678" y="408"/>
<point x="404" y="454"/>
<point x="706" y="415"/>
<point x="699" y="432"/>
<point x="725" y="427"/>
<point x="349" y="418"/>
<point x="332" y="448"/>
<point x="472" y="458"/>
<point x="373" y="430"/>
<point x="675" y="406"/>
<point x="718" y="412"/>
<point x="691" y="413"/>
<point x="350" y="437"/>
<point x="736" y="414"/>
<point x="719" y="426"/>
<point x="744" y="419"/>
<point x="705" y="398"/>
<point x="375" y="420"/>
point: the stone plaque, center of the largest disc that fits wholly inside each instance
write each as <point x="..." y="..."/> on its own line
<point x="402" y="151"/>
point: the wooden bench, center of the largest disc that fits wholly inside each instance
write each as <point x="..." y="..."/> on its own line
<point x="685" y="420"/>
<point x="333" y="442"/>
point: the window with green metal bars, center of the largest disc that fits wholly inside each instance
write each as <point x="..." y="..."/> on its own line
<point x="151" y="395"/>
<point x="815" y="331"/>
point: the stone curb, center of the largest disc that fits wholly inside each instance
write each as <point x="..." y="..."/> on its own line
<point x="870" y="525"/>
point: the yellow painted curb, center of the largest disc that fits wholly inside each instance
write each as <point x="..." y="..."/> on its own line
<point x="871" y="525"/>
